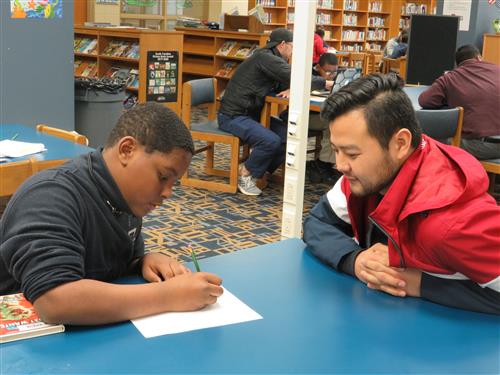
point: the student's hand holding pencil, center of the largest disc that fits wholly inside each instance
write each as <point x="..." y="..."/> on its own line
<point x="192" y="291"/>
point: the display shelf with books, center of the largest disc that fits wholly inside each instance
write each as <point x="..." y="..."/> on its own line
<point x="217" y="53"/>
<point x="125" y="53"/>
<point x="355" y="25"/>
<point x="275" y="12"/>
<point x="408" y="8"/>
<point x="19" y="320"/>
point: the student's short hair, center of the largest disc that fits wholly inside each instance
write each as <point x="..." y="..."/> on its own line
<point x="385" y="106"/>
<point x="466" y="52"/>
<point x="328" y="59"/>
<point x="404" y="38"/>
<point x="320" y="32"/>
<point x="155" y="127"/>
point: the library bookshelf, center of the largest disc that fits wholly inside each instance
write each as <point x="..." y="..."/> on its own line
<point x="350" y="25"/>
<point x="216" y="53"/>
<point x="113" y="49"/>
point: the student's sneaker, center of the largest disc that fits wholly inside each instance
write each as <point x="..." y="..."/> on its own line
<point x="247" y="185"/>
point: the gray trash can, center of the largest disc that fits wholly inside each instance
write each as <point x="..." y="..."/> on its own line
<point x="97" y="108"/>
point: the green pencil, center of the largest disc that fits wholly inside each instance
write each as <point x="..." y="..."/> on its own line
<point x="195" y="261"/>
<point x="14" y="137"/>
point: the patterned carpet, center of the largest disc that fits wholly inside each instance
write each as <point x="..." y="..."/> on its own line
<point x="218" y="223"/>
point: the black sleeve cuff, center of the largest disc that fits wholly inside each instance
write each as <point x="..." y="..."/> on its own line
<point x="346" y="264"/>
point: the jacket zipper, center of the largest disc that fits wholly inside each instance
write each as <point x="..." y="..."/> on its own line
<point x="402" y="261"/>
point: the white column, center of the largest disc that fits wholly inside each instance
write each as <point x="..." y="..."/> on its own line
<point x="298" y="120"/>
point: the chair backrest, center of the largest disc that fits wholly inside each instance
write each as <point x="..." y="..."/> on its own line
<point x="357" y="60"/>
<point x="198" y="92"/>
<point x="14" y="174"/>
<point x="65" y="134"/>
<point x="442" y="124"/>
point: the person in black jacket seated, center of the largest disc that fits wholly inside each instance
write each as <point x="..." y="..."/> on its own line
<point x="68" y="231"/>
<point x="263" y="73"/>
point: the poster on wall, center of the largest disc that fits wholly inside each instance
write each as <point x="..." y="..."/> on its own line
<point x="460" y="8"/>
<point x="36" y="8"/>
<point x="162" y="76"/>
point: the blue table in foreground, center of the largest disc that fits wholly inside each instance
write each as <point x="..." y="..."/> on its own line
<point x="315" y="320"/>
<point x="58" y="149"/>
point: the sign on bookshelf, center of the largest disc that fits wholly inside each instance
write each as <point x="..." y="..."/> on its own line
<point x="162" y="76"/>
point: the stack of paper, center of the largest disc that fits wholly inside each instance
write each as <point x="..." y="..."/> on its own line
<point x="15" y="149"/>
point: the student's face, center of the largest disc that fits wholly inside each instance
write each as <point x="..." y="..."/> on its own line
<point x="146" y="179"/>
<point x="328" y="71"/>
<point x="359" y="156"/>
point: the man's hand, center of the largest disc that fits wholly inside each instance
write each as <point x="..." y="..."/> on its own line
<point x="372" y="267"/>
<point x="192" y="291"/>
<point x="157" y="267"/>
<point x="284" y="94"/>
<point x="329" y="85"/>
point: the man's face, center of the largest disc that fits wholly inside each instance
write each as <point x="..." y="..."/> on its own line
<point x="328" y="71"/>
<point x="286" y="50"/>
<point x="147" y="178"/>
<point x="359" y="156"/>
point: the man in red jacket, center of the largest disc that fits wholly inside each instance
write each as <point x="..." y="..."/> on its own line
<point x="474" y="85"/>
<point x="410" y="216"/>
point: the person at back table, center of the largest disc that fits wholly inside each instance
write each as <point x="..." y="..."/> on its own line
<point x="68" y="231"/>
<point x="474" y="85"/>
<point x="410" y="216"/>
<point x="266" y="71"/>
<point x="322" y="170"/>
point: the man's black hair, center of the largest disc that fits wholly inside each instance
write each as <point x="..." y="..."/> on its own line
<point x="385" y="106"/>
<point x="328" y="59"/>
<point x="321" y="33"/>
<point x="466" y="52"/>
<point x="155" y="127"/>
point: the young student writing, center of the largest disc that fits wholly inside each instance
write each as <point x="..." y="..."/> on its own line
<point x="68" y="231"/>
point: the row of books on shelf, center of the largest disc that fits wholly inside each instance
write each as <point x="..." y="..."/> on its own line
<point x="357" y="47"/>
<point x="379" y="34"/>
<point x="85" y="45"/>
<point x="376" y="22"/>
<point x="413" y="8"/>
<point x="233" y="48"/>
<point x="404" y="23"/>
<point x="324" y="4"/>
<point x="266" y="3"/>
<point x="129" y="75"/>
<point x="353" y="35"/>
<point x="350" y="19"/>
<point x="122" y="48"/>
<point x="323" y="18"/>
<point x="84" y="68"/>
<point x="375" y="6"/>
<point x="89" y="69"/>
<point x="227" y="69"/>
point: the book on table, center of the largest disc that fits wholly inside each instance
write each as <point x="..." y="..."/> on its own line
<point x="19" y="320"/>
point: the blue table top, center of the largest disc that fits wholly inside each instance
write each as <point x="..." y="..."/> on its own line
<point x="315" y="320"/>
<point x="57" y="148"/>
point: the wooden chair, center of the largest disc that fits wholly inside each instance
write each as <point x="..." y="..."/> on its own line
<point x="394" y="65"/>
<point x="442" y="124"/>
<point x="357" y="60"/>
<point x="65" y="134"/>
<point x="202" y="92"/>
<point x="373" y="61"/>
<point x="12" y="175"/>
<point x="492" y="167"/>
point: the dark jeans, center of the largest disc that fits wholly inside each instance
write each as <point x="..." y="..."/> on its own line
<point x="268" y="145"/>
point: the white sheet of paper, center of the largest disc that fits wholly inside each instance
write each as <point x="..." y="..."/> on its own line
<point x="318" y="98"/>
<point x="227" y="310"/>
<point x="15" y="149"/>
